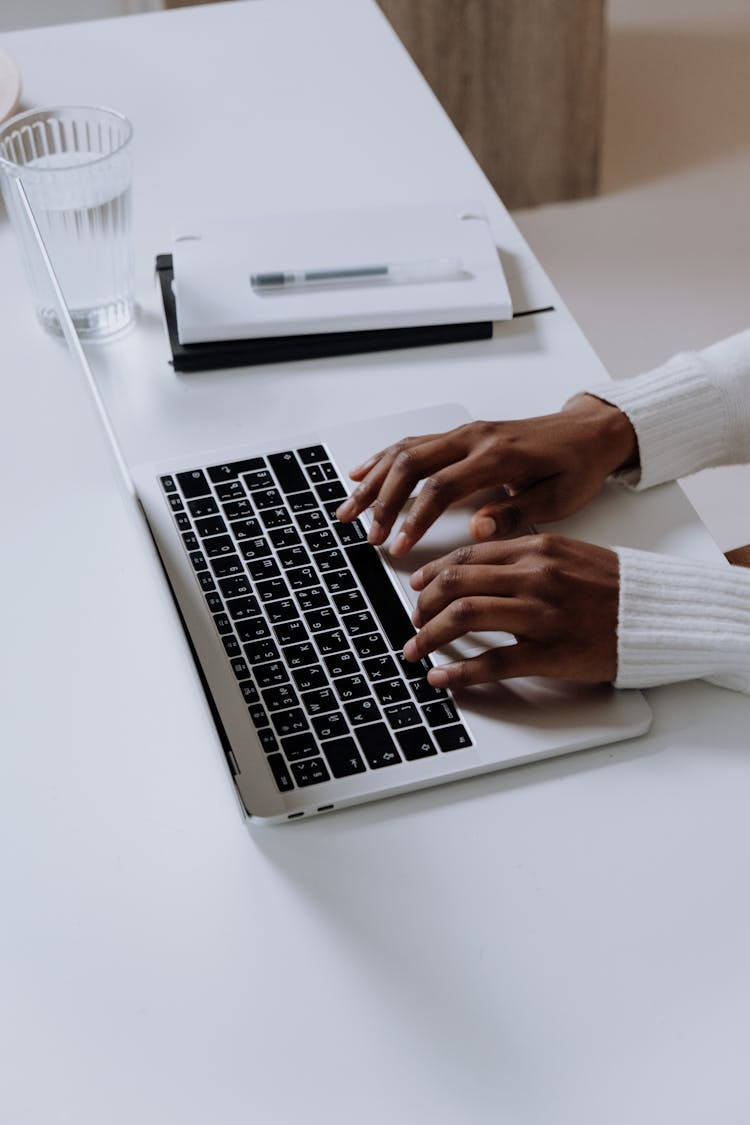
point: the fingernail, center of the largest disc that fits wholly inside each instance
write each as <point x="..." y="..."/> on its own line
<point x="348" y="508"/>
<point x="438" y="677"/>
<point x="417" y="580"/>
<point x="485" y="527"/>
<point x="410" y="651"/>
<point x="400" y="544"/>
<point x="376" y="534"/>
<point x="416" y="620"/>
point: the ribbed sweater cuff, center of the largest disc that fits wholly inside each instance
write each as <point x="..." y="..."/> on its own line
<point x="679" y="417"/>
<point x="682" y="620"/>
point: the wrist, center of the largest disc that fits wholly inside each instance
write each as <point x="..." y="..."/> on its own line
<point x="609" y="430"/>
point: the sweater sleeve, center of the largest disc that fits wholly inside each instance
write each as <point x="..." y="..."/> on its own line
<point x="689" y="414"/>
<point x="682" y="620"/>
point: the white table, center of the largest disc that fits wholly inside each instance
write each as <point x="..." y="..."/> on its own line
<point x="562" y="943"/>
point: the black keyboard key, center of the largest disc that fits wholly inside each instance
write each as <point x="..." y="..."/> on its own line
<point x="284" y="537"/>
<point x="193" y="483"/>
<point x="330" y="560"/>
<point x="343" y="757"/>
<point x="219" y="545"/>
<point x="312" y="453"/>
<point x="351" y="601"/>
<point x="176" y="503"/>
<point x="280" y="771"/>
<point x="190" y="540"/>
<point x="249" y="692"/>
<point x="258" y="569"/>
<point x="301" y="502"/>
<point x="241" y="608"/>
<point x="246" y="529"/>
<point x="258" y="717"/>
<point x="290" y="557"/>
<point x="321" y="619"/>
<point x="275" y="517"/>
<point x="238" y="510"/>
<point x="362" y="711"/>
<point x="370" y="644"/>
<point x="271" y="589"/>
<point x="182" y="519"/>
<point x="268" y="675"/>
<point x="222" y="623"/>
<point x="280" y="697"/>
<point x="339" y="580"/>
<point x="342" y="664"/>
<point x="310" y="772"/>
<point x="255" y="548"/>
<point x="284" y="610"/>
<point x="315" y="473"/>
<point x="414" y="670"/>
<point x="300" y="656"/>
<point x="351" y="687"/>
<point x="260" y="652"/>
<point x="402" y="715"/>
<point x="385" y="601"/>
<point x="380" y="668"/>
<point x="319" y="702"/>
<point x="331" y="508"/>
<point x="333" y="725"/>
<point x="206" y="580"/>
<point x="312" y="521"/>
<point x="235" y="587"/>
<point x="452" y="738"/>
<point x="358" y="623"/>
<point x="300" y="746"/>
<point x="253" y="629"/>
<point x="392" y="691"/>
<point x="328" y="643"/>
<point x="377" y="746"/>
<point x="288" y="473"/>
<point x="204" y="506"/>
<point x="210" y="525"/>
<point x="426" y="693"/>
<point x="302" y="576"/>
<point x="309" y="678"/>
<point x="225" y="566"/>
<point x="291" y="633"/>
<point x="349" y="533"/>
<point x="267" y="498"/>
<point x="320" y="540"/>
<point x="168" y="484"/>
<point x="416" y="743"/>
<point x="268" y="740"/>
<point x="332" y="490"/>
<point x="440" y="714"/>
<point x="198" y="560"/>
<point x="313" y="598"/>
<point x="290" y="722"/>
<point x="230" y="490"/>
<point x="231" y="645"/>
<point x="240" y="668"/>
<point x="258" y="479"/>
<point x="230" y="471"/>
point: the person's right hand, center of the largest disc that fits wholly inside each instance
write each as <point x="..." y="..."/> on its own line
<point x="544" y="468"/>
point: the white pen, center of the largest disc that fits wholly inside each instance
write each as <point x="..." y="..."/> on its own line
<point x="395" y="273"/>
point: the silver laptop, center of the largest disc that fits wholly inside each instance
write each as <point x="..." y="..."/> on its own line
<point x="297" y="626"/>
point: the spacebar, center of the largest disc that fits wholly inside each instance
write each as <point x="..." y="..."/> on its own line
<point x="389" y="608"/>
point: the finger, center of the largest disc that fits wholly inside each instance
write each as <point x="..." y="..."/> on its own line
<point x="362" y="470"/>
<point x="505" y="663"/>
<point x="373" y="477"/>
<point x="454" y="582"/>
<point x="518" y="511"/>
<point x="468" y="615"/>
<point x="475" y="554"/>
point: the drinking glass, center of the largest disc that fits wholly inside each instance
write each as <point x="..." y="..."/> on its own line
<point x="75" y="164"/>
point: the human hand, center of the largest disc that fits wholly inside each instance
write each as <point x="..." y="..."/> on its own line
<point x="559" y="598"/>
<point x="544" y="468"/>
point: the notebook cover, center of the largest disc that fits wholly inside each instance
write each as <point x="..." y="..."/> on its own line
<point x="281" y="349"/>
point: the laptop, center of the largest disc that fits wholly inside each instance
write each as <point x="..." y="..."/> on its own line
<point x="297" y="625"/>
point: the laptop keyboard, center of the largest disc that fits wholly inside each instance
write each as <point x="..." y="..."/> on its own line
<point x="312" y="625"/>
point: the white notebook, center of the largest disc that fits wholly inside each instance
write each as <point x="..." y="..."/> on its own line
<point x="393" y="267"/>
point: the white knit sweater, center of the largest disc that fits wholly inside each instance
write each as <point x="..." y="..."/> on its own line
<point x="681" y="620"/>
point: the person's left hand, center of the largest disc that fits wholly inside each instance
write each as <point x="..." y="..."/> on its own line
<point x="559" y="598"/>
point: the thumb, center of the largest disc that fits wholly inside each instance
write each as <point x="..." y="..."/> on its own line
<point x="516" y="513"/>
